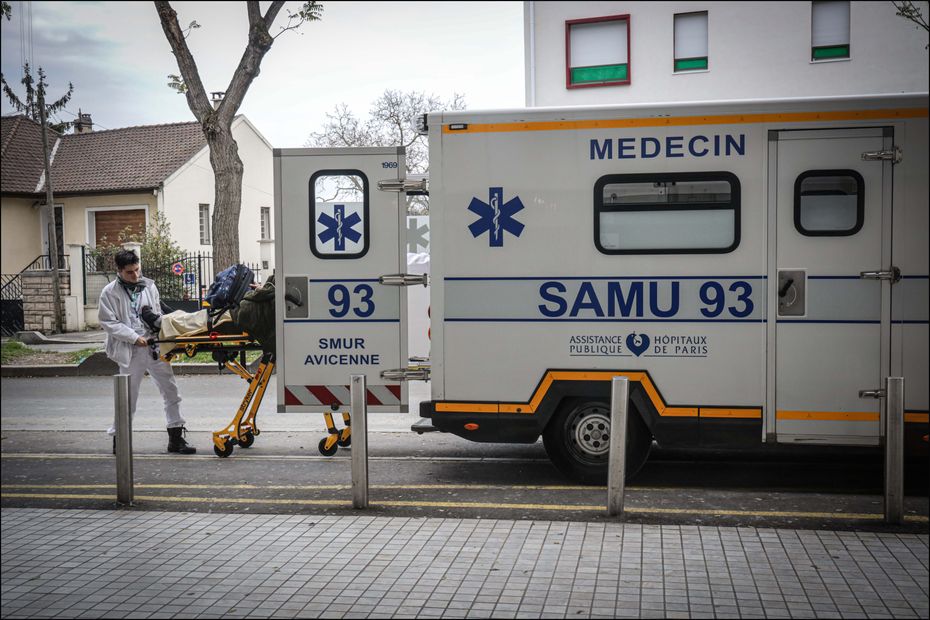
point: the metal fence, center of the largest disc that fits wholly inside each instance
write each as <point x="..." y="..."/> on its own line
<point x="182" y="283"/>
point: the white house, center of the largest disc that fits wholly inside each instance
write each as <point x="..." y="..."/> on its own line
<point x="589" y="53"/>
<point x="107" y="180"/>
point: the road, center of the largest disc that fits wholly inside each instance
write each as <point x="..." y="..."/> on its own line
<point x="55" y="454"/>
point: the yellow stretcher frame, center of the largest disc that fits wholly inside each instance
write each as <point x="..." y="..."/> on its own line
<point x="243" y="428"/>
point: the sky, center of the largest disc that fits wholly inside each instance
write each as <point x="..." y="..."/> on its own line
<point x="117" y="57"/>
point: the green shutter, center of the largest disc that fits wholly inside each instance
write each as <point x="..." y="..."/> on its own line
<point x="603" y="73"/>
<point x="690" y="64"/>
<point x="830" y="51"/>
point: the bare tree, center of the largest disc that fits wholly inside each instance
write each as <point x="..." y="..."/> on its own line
<point x="913" y="13"/>
<point x="217" y="124"/>
<point x="391" y="122"/>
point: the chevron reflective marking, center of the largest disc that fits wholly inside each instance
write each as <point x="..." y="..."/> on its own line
<point x="339" y="395"/>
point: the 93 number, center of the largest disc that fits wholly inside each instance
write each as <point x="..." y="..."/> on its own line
<point x="341" y="300"/>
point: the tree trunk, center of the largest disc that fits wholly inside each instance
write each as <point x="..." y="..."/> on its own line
<point x="227" y="168"/>
<point x="53" y="258"/>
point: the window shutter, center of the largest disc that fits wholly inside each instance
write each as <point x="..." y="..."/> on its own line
<point x="600" y="43"/>
<point x="829" y="24"/>
<point x="691" y="35"/>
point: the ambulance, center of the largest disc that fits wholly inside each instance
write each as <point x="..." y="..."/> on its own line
<point x="750" y="266"/>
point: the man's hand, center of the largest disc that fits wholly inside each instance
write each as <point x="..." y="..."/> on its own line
<point x="141" y="342"/>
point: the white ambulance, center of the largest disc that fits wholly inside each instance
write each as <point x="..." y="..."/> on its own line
<point x="749" y="265"/>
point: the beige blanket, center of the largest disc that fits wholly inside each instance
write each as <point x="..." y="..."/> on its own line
<point x="179" y="324"/>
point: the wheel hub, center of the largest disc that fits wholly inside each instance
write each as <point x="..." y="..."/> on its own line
<point x="592" y="433"/>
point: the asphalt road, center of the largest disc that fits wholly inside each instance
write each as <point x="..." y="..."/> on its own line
<point x="55" y="454"/>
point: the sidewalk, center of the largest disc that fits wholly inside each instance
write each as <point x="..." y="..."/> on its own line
<point x="115" y="564"/>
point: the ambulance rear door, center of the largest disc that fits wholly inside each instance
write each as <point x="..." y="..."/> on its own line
<point x="337" y="237"/>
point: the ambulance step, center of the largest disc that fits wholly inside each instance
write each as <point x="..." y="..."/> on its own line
<point x="425" y="425"/>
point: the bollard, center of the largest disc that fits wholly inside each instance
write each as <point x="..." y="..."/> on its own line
<point x="359" y="406"/>
<point x="124" y="479"/>
<point x="894" y="450"/>
<point x="616" y="461"/>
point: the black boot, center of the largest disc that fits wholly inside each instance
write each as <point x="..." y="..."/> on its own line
<point x="150" y="318"/>
<point x="176" y="441"/>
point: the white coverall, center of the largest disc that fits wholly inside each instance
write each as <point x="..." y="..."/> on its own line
<point x="120" y="319"/>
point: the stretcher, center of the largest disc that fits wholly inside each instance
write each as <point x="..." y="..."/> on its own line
<point x="226" y="344"/>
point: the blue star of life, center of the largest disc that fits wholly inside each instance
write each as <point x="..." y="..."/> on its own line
<point x="339" y="228"/>
<point x="496" y="216"/>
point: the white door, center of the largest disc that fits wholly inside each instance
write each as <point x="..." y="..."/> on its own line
<point x="337" y="235"/>
<point x="832" y="325"/>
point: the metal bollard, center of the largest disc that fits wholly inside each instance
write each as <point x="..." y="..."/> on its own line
<point x="124" y="478"/>
<point x="359" y="406"/>
<point x="894" y="450"/>
<point x="616" y="462"/>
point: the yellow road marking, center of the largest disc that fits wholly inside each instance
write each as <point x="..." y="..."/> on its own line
<point x="858" y="516"/>
<point x="338" y="487"/>
<point x="678" y="121"/>
<point x="240" y="456"/>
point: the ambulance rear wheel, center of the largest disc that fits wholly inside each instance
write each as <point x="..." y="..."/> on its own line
<point x="577" y="440"/>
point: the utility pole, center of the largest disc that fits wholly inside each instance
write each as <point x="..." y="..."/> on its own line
<point x="52" y="222"/>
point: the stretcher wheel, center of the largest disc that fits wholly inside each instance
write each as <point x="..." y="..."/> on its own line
<point x="225" y="451"/>
<point x="246" y="440"/>
<point x="327" y="451"/>
<point x="344" y="443"/>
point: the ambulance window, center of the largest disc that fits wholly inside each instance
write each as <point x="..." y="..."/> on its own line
<point x="828" y="203"/>
<point x="683" y="213"/>
<point x="339" y="214"/>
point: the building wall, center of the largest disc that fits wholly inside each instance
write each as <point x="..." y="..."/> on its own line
<point x="193" y="185"/>
<point x="20" y="236"/>
<point x="756" y="50"/>
<point x="80" y="211"/>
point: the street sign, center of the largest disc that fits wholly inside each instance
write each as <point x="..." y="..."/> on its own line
<point x="177" y="268"/>
<point x="190" y="278"/>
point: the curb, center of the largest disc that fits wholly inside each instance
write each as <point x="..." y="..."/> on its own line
<point x="40" y="338"/>
<point x="99" y="365"/>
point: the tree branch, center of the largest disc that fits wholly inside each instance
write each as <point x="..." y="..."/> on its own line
<point x="196" y="95"/>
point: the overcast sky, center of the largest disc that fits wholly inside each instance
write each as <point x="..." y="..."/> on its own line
<point x="116" y="55"/>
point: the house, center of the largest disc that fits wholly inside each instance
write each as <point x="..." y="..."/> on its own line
<point x="106" y="180"/>
<point x="589" y="53"/>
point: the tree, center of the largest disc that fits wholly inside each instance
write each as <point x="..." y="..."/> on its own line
<point x="217" y="124"/>
<point x="35" y="108"/>
<point x="391" y="122"/>
<point x="913" y="13"/>
<point x="30" y="106"/>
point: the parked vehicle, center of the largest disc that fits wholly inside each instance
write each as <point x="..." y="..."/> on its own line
<point x="750" y="266"/>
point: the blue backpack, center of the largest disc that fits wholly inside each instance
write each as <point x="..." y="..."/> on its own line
<point x="228" y="289"/>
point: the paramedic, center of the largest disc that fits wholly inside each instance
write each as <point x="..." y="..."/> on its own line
<point x="120" y="306"/>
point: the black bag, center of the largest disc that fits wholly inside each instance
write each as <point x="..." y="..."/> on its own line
<point x="228" y="289"/>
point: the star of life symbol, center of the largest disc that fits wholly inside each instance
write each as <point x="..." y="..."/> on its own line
<point x="495" y="217"/>
<point x="339" y="228"/>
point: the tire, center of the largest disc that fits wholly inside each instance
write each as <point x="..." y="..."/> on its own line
<point x="327" y="451"/>
<point x="344" y="443"/>
<point x="246" y="440"/>
<point x="581" y="455"/>
<point x="226" y="451"/>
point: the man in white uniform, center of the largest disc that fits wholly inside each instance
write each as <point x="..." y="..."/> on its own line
<point x="120" y="314"/>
